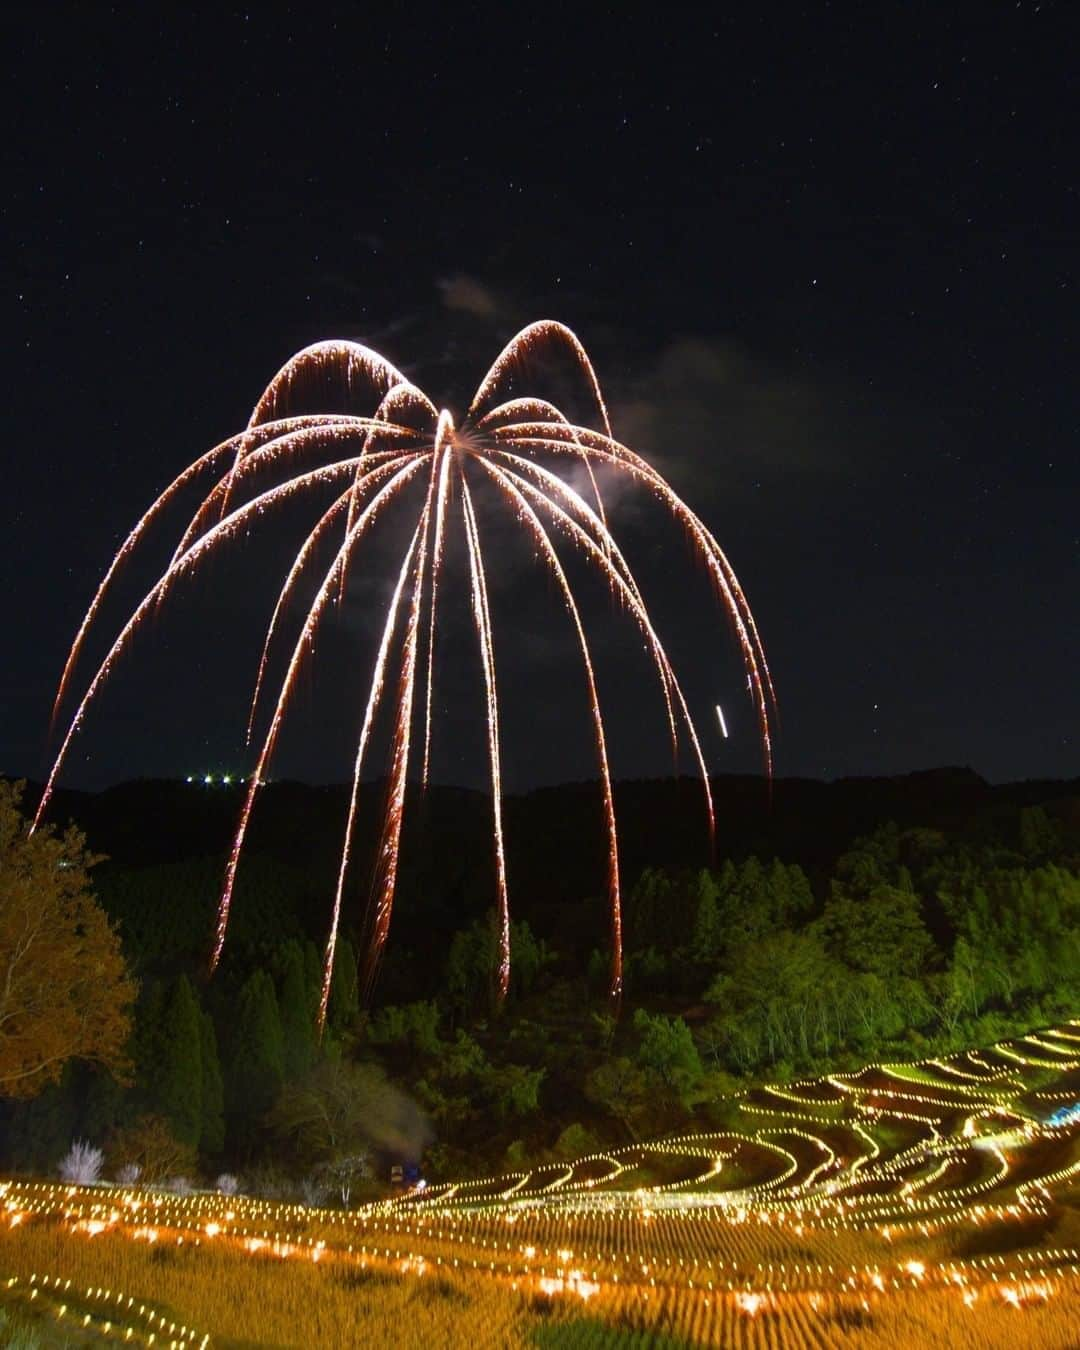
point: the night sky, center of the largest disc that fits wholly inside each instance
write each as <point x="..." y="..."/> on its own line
<point x="824" y="257"/>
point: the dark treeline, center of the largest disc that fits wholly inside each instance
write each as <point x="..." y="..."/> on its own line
<point x="851" y="922"/>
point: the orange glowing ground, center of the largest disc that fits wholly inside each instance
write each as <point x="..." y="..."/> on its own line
<point x="875" y="1208"/>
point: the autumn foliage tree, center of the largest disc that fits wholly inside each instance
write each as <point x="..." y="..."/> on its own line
<point x="150" y="1148"/>
<point x="65" y="992"/>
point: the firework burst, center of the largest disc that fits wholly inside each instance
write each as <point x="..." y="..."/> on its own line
<point x="517" y="445"/>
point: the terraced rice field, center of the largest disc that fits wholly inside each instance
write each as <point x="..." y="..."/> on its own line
<point x="916" y="1204"/>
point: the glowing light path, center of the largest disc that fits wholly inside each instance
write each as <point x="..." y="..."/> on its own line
<point x="339" y="418"/>
<point x="898" y="1188"/>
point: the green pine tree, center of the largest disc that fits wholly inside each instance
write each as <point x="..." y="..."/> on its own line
<point x="297" y="1013"/>
<point x="313" y="978"/>
<point x="344" y="1006"/>
<point x="778" y="888"/>
<point x="649" y="910"/>
<point x="800" y="895"/>
<point x="708" y="935"/>
<point x="257" y="1058"/>
<point x="212" y="1135"/>
<point x="751" y="913"/>
<point x="176" y="1079"/>
<point x="147" y="1048"/>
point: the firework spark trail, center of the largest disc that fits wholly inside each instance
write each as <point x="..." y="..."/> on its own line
<point x="624" y="580"/>
<point x="482" y="615"/>
<point x="377" y="371"/>
<point x="127" y="547"/>
<point x="303" y="643"/>
<point x="730" y="582"/>
<point x="614" y="897"/>
<point x="627" y="588"/>
<point x="352" y="494"/>
<point x="124" y="551"/>
<point x="313" y="357"/>
<point x="223" y="529"/>
<point x="612" y="553"/>
<point x="734" y="600"/>
<point x="508" y="441"/>
<point x="443" y="429"/>
<point x="517" y="347"/>
<point x="397" y="394"/>
<point x="156" y="507"/>
<point x="390" y="842"/>
<point x="374" y="698"/>
<point x="546" y="409"/>
<point x="436" y="568"/>
<point x="298" y="564"/>
<point x="299" y="433"/>
<point x="613" y="452"/>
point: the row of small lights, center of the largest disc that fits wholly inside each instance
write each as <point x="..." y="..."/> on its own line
<point x="224" y="780"/>
<point x="55" y="1287"/>
<point x="639" y="1205"/>
<point x="575" y="1280"/>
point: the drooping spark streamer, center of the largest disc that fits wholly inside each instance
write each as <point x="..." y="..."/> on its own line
<point x="374" y="697"/>
<point x="385" y="881"/>
<point x="390" y="843"/>
<point x="615" y="900"/>
<point x="727" y="584"/>
<point x="623" y="580"/>
<point x="156" y="508"/>
<point x="309" y="545"/>
<point x="402" y="394"/>
<point x="516" y="348"/>
<point x="436" y="568"/>
<point x="175" y="570"/>
<point x="303" y="643"/>
<point x="482" y="614"/>
<point x="375" y="368"/>
<point x="627" y="588"/>
<point x="723" y="723"/>
<point x="369" y="458"/>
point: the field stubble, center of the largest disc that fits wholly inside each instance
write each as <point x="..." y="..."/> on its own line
<point x="901" y="1206"/>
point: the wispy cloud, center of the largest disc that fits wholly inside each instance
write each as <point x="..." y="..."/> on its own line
<point x="470" y="296"/>
<point x="709" y="402"/>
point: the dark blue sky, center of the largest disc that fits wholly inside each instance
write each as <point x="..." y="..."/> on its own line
<point x="825" y="259"/>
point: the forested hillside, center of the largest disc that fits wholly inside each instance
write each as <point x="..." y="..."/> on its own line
<point x="953" y="918"/>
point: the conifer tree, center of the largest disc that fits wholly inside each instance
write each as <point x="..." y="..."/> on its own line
<point x="750" y="913"/>
<point x="212" y="1135"/>
<point x="297" y="1013"/>
<point x="800" y="896"/>
<point x="257" y="1059"/>
<point x="176" y="1081"/>
<point x="313" y="978"/>
<point x="778" y="887"/>
<point x="344" y="1006"/>
<point x="708" y="938"/>
<point x="649" y="910"/>
<point x="146" y="1040"/>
